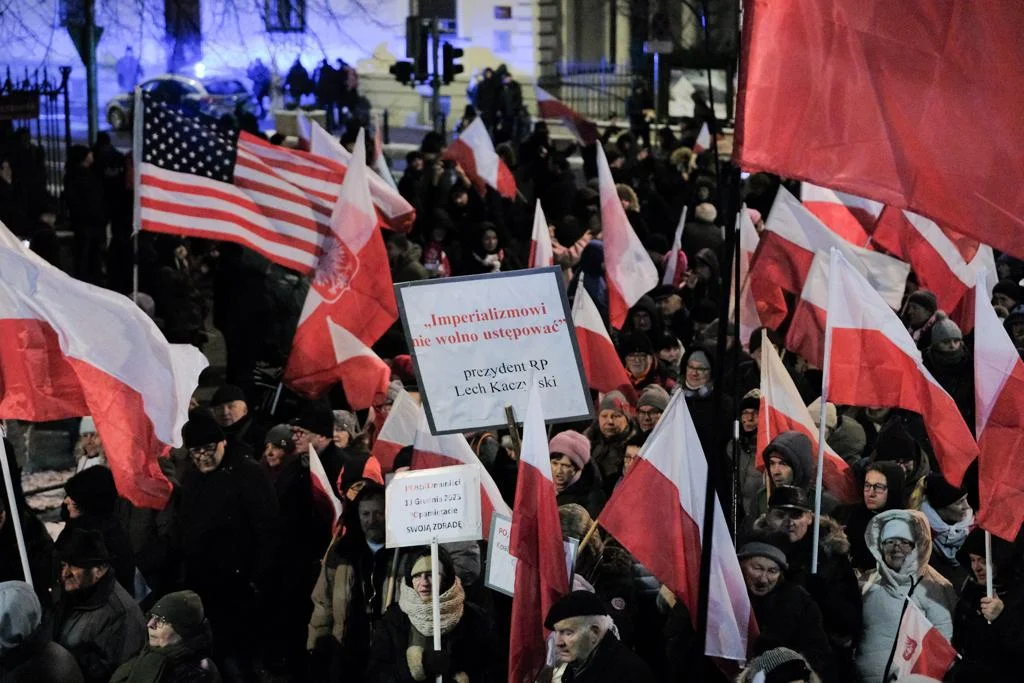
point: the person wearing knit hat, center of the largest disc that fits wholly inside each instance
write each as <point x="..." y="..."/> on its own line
<point x="650" y="406"/>
<point x="587" y="643"/>
<point x="576" y="480"/>
<point x="89" y="449"/>
<point x="670" y="354"/>
<point x="25" y="654"/>
<point x="919" y="314"/>
<point x="180" y="639"/>
<point x="346" y="427"/>
<point x="951" y="363"/>
<point x="204" y="440"/>
<point x="900" y="541"/>
<point x="951" y="519"/>
<point x="230" y="409"/>
<point x="778" y="665"/>
<point x="750" y="477"/>
<point x="1007" y="294"/>
<point x="315" y="427"/>
<point x="608" y="435"/>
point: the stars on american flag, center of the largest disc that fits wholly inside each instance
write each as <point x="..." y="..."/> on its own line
<point x="176" y="142"/>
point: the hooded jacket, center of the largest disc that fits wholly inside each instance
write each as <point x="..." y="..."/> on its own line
<point x="856" y="516"/>
<point x="26" y="654"/>
<point x="886" y="590"/>
<point x="795" y="450"/>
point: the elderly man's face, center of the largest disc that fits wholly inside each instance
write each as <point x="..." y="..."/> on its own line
<point x="79" y="578"/>
<point x="793" y="523"/>
<point x="761" y="575"/>
<point x="647" y="417"/>
<point x="227" y="414"/>
<point x="575" y="639"/>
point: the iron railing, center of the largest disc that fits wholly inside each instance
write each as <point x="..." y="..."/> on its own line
<point x="598" y="90"/>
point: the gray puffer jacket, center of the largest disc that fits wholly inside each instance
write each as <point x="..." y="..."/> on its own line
<point x="886" y="590"/>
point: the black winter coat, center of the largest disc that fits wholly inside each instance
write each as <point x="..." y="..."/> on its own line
<point x="611" y="662"/>
<point x="991" y="652"/>
<point x="39" y="660"/>
<point x="116" y="540"/>
<point x="40" y="551"/>
<point x="585" y="491"/>
<point x="469" y="646"/>
<point x="789" y="617"/>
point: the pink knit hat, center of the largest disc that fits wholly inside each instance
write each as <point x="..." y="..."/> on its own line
<point x="573" y="445"/>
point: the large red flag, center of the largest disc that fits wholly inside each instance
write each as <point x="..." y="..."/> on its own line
<point x="907" y="103"/>
<point x="657" y="514"/>
<point x="944" y="262"/>
<point x="999" y="411"/>
<point x="474" y="152"/>
<point x="783" y="410"/>
<point x="351" y="287"/>
<point x="791" y="238"/>
<point x="69" y="349"/>
<point x="628" y="268"/>
<point x="601" y="362"/>
<point x="874" y="362"/>
<point x="919" y="648"/>
<point x="536" y="542"/>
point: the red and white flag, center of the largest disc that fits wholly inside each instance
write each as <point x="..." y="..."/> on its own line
<point x="398" y="430"/>
<point x="672" y="275"/>
<point x="542" y="253"/>
<point x="750" y="319"/>
<point x="323" y="493"/>
<point x="601" y="361"/>
<point x="873" y="361"/>
<point x="657" y="514"/>
<point x="69" y="349"/>
<point x="945" y="262"/>
<point x="396" y="212"/>
<point x="351" y="288"/>
<point x="536" y="543"/>
<point x="791" y="238"/>
<point x="999" y="414"/>
<point x="628" y="268"/>
<point x="431" y="451"/>
<point x="341" y="357"/>
<point x="703" y="139"/>
<point x="474" y="152"/>
<point x="919" y="648"/>
<point x="550" y="107"/>
<point x="782" y="410"/>
<point x="851" y="217"/>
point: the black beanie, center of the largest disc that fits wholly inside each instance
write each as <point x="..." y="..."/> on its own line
<point x="227" y="394"/>
<point x="925" y="300"/>
<point x="201" y="429"/>
<point x="941" y="493"/>
<point x="93" y="491"/>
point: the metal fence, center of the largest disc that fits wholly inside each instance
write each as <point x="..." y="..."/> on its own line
<point x="597" y="91"/>
<point x="38" y="102"/>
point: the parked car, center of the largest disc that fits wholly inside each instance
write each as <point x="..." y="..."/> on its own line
<point x="210" y="96"/>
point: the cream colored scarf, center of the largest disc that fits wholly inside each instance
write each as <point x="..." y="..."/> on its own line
<point x="420" y="613"/>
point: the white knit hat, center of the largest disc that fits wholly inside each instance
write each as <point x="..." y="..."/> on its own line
<point x="87" y="426"/>
<point x="896" y="528"/>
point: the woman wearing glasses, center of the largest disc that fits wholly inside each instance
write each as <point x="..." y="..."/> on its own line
<point x="883" y="490"/>
<point x="901" y="542"/>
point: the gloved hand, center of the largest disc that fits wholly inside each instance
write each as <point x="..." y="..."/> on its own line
<point x="436" y="662"/>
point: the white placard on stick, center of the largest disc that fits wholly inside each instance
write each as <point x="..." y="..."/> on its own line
<point x="501" y="564"/>
<point x="476" y="341"/>
<point x="440" y="504"/>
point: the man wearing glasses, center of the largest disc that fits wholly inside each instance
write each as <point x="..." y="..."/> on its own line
<point x="901" y="542"/>
<point x="227" y="526"/>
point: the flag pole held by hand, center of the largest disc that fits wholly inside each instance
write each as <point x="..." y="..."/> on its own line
<point x="513" y="430"/>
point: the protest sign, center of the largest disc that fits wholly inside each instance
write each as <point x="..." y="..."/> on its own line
<point x="440" y="504"/>
<point x="476" y="341"/>
<point x="501" y="564"/>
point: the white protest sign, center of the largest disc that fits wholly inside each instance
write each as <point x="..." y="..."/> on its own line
<point x="440" y="504"/>
<point x="501" y="564"/>
<point x="477" y="340"/>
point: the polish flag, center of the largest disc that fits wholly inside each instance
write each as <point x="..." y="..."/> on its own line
<point x="351" y="288"/>
<point x="999" y="415"/>
<point x="69" y="349"/>
<point x="628" y="268"/>
<point x="750" y="319"/>
<point x="945" y="262"/>
<point x="398" y="430"/>
<point x="600" y="359"/>
<point x="363" y="375"/>
<point x="851" y="217"/>
<point x="791" y="238"/>
<point x="536" y="543"/>
<point x="657" y="514"/>
<point x="782" y="410"/>
<point x="380" y="162"/>
<point x="871" y="360"/>
<point x="919" y="648"/>
<point x="672" y="275"/>
<point x="323" y="494"/>
<point x="474" y="152"/>
<point x="305" y="130"/>
<point x="703" y="139"/>
<point x="431" y="451"/>
<point x="550" y="107"/>
<point x="395" y="212"/>
<point x="542" y="254"/>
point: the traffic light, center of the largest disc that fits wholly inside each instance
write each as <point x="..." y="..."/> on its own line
<point x="402" y="71"/>
<point x="417" y="44"/>
<point x="450" y="68"/>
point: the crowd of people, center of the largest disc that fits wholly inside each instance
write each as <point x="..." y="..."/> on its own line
<point x="242" y="575"/>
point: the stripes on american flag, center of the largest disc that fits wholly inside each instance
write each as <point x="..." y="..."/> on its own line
<point x="195" y="182"/>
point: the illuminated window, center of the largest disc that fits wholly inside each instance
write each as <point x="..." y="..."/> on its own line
<point x="285" y="16"/>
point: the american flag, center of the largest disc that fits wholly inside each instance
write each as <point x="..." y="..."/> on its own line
<point x="194" y="181"/>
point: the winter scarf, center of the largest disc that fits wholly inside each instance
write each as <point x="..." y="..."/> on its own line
<point x="948" y="538"/>
<point x="700" y="392"/>
<point x="421" y="615"/>
<point x="491" y="262"/>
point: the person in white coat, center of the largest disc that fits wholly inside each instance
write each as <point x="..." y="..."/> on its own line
<point x="901" y="542"/>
